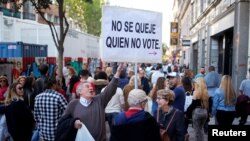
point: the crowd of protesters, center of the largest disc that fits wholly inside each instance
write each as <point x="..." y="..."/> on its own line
<point x="166" y="97"/>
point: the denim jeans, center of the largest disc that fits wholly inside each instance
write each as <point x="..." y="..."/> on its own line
<point x="35" y="136"/>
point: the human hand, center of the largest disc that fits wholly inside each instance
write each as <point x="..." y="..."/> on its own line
<point x="78" y="124"/>
<point x="119" y="70"/>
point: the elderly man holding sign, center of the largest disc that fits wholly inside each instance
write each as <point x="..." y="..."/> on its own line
<point x="90" y="108"/>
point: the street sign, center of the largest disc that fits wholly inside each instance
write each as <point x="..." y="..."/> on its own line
<point x="174" y="34"/>
<point x="186" y="42"/>
<point x="131" y="35"/>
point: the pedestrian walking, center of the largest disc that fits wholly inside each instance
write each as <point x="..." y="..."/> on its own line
<point x="224" y="102"/>
<point x="19" y="118"/>
<point x="198" y="111"/>
<point x="169" y="117"/>
<point x="48" y="109"/>
<point x="244" y="100"/>
<point x="212" y="80"/>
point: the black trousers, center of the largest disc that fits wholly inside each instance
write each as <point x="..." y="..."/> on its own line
<point x="225" y="118"/>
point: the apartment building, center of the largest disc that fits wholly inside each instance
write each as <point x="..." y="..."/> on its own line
<point x="218" y="31"/>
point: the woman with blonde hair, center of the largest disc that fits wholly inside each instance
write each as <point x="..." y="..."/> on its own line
<point x="19" y="118"/>
<point x="109" y="72"/>
<point x="198" y="111"/>
<point x="224" y="102"/>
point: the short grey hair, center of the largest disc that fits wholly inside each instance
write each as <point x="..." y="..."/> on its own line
<point x="79" y="87"/>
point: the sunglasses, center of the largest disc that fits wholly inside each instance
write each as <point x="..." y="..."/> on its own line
<point x="20" y="88"/>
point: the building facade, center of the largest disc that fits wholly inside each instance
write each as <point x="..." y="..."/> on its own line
<point x="218" y="31"/>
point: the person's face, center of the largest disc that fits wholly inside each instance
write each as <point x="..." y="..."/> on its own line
<point x="70" y="72"/>
<point x="87" y="91"/>
<point x="3" y="82"/>
<point x="141" y="74"/>
<point x="202" y="70"/>
<point x="85" y="67"/>
<point x="173" y="81"/>
<point x="166" y="83"/>
<point x="22" y="81"/>
<point x="161" y="102"/>
<point x="19" y="89"/>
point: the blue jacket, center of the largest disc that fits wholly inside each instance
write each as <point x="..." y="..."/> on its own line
<point x="218" y="102"/>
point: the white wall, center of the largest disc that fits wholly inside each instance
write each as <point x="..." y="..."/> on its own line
<point x="77" y="44"/>
<point x="223" y="24"/>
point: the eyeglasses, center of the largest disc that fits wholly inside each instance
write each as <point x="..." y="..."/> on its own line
<point x="158" y="98"/>
<point x="3" y="81"/>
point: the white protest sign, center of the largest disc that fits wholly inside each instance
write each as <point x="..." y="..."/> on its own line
<point x="131" y="35"/>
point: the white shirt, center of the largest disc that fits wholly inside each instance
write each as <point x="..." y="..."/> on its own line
<point x="85" y="102"/>
<point x="155" y="76"/>
<point x="116" y="102"/>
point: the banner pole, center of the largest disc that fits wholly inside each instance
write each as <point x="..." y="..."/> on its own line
<point x="136" y="83"/>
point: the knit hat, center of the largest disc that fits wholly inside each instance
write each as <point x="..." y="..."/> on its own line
<point x="136" y="96"/>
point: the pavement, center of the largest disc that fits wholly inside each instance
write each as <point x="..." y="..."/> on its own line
<point x="212" y="122"/>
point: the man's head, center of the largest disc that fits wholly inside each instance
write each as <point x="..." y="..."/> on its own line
<point x="174" y="79"/>
<point x="86" y="90"/>
<point x="43" y="69"/>
<point x="211" y="68"/>
<point x="159" y="66"/>
<point x="98" y="69"/>
<point x="137" y="98"/>
<point x="50" y="83"/>
<point x="85" y="66"/>
<point x="202" y="70"/>
<point x="67" y="64"/>
<point x="102" y="75"/>
<point x="84" y="74"/>
<point x="141" y="73"/>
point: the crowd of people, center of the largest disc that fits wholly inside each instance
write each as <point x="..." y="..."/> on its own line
<point x="136" y="107"/>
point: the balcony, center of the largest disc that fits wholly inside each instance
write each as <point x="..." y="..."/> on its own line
<point x="10" y="13"/>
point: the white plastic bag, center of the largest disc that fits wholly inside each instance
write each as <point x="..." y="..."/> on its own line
<point x="83" y="134"/>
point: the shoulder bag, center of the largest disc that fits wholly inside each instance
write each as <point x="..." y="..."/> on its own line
<point x="163" y="132"/>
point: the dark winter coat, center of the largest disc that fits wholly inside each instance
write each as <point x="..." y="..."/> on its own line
<point x="143" y="130"/>
<point x="65" y="129"/>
